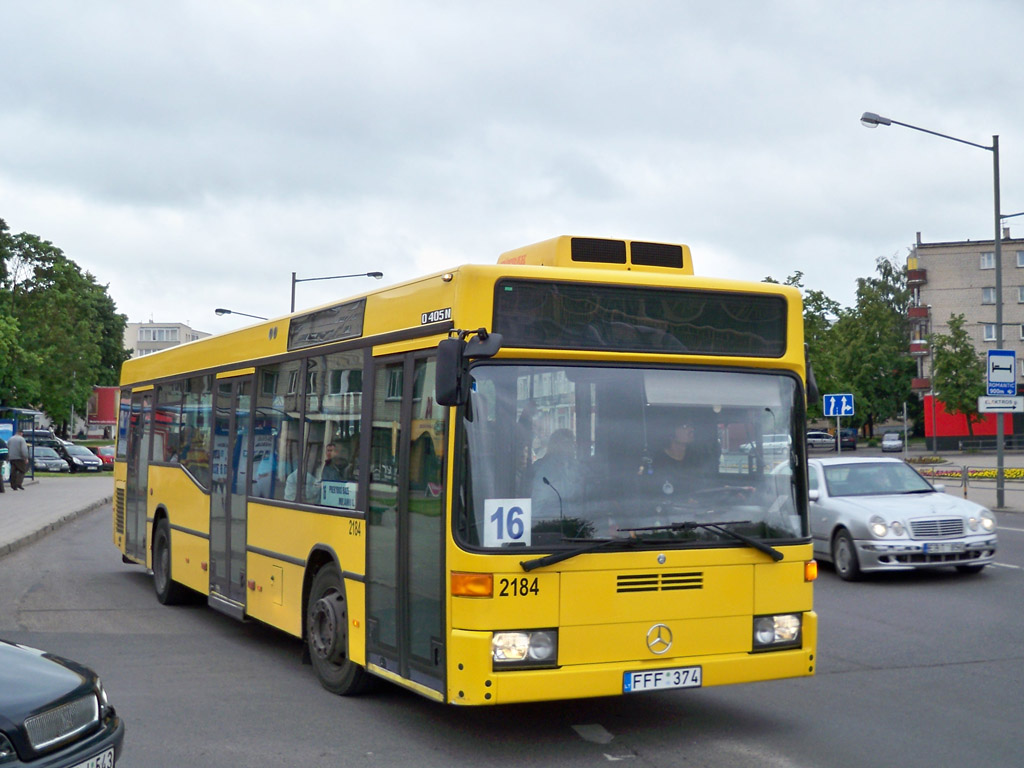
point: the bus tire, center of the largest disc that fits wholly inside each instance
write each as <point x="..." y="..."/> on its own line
<point x="844" y="556"/>
<point x="327" y="635"/>
<point x="168" y="591"/>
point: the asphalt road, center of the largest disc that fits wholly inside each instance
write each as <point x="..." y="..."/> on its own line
<point x="914" y="669"/>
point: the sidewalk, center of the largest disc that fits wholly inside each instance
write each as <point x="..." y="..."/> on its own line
<point x="47" y="503"/>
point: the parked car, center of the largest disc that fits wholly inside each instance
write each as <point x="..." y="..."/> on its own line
<point x="848" y="438"/>
<point x="46" y="459"/>
<point x="892" y="441"/>
<point x="818" y="439"/>
<point x="106" y="454"/>
<point x="42" y="437"/>
<point x="879" y="514"/>
<point x="80" y="458"/>
<point x="54" y="712"/>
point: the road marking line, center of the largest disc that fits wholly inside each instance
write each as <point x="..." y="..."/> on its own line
<point x="593" y="732"/>
<point x="1007" y="565"/>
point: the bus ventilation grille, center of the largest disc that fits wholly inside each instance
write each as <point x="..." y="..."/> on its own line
<point x="657" y="255"/>
<point x="119" y="510"/>
<point x="659" y="582"/>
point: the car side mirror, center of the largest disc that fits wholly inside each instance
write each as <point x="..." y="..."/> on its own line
<point x="813" y="495"/>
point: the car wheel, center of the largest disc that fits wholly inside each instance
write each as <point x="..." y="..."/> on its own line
<point x="969" y="569"/>
<point x="168" y="591"/>
<point x="327" y="635"/>
<point x="844" y="557"/>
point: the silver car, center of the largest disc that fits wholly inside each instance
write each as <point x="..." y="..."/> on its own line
<point x="881" y="515"/>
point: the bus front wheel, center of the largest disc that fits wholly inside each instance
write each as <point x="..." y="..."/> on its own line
<point x="327" y="635"/>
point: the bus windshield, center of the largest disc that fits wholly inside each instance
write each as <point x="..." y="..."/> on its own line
<point x="559" y="454"/>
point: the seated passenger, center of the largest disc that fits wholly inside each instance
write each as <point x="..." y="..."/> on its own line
<point x="557" y="480"/>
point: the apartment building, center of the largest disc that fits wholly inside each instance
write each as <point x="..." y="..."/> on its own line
<point x="146" y="338"/>
<point x="959" y="278"/>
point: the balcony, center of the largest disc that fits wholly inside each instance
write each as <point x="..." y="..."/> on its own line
<point x="917" y="276"/>
<point x="920" y="385"/>
<point x="919" y="347"/>
<point x="915" y="313"/>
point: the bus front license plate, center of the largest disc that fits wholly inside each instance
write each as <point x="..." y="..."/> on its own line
<point x="661" y="679"/>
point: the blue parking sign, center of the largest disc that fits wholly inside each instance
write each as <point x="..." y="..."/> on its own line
<point x="838" y="405"/>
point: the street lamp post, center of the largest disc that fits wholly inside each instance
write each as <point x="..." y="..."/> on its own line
<point x="872" y="120"/>
<point x="222" y="311"/>
<point x="374" y="275"/>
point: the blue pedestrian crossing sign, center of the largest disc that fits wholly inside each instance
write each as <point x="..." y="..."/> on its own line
<point x="838" y="405"/>
<point x="1002" y="370"/>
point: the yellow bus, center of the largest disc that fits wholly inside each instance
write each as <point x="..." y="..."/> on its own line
<point x="577" y="472"/>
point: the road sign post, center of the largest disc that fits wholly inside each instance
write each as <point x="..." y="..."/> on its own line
<point x="1001" y="375"/>
<point x="838" y="405"/>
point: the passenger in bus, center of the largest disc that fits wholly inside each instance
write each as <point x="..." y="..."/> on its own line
<point x="339" y="468"/>
<point x="557" y="478"/>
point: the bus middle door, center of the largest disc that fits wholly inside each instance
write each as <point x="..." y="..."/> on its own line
<point x="228" y="511"/>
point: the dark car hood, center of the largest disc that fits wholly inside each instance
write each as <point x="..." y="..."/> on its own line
<point x="30" y="679"/>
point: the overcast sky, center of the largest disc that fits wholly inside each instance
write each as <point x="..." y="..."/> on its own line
<point x="192" y="155"/>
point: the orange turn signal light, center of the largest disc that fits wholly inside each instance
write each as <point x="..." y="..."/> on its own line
<point x="472" y="584"/>
<point x="810" y="570"/>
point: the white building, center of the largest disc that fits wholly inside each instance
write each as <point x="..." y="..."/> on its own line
<point x="146" y="338"/>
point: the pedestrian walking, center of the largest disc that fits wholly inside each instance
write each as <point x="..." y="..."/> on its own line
<point x="17" y="455"/>
<point x="3" y="460"/>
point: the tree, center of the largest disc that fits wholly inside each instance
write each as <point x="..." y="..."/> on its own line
<point x="871" y="342"/>
<point x="820" y="313"/>
<point x="59" y="329"/>
<point x="958" y="372"/>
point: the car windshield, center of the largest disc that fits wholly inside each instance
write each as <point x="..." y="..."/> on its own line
<point x="873" y="479"/>
<point x="42" y="452"/>
<point x="556" y="455"/>
<point x="78" y="450"/>
<point x="105" y="450"/>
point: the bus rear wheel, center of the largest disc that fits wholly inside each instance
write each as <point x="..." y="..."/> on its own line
<point x="168" y="591"/>
<point x="327" y="635"/>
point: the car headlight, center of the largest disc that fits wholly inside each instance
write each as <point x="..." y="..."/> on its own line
<point x="879" y="527"/>
<point x="779" y="631"/>
<point x="985" y="521"/>
<point x="532" y="649"/>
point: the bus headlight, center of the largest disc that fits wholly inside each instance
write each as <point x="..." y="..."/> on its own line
<point x="533" y="649"/>
<point x="780" y="631"/>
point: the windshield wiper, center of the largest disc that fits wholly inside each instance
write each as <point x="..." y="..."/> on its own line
<point x="689" y="525"/>
<point x="557" y="557"/>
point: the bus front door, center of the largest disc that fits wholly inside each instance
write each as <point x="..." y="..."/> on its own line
<point x="228" y="496"/>
<point x="136" y="487"/>
<point x="405" y="524"/>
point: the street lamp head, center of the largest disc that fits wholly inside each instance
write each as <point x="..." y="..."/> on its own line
<point x="375" y="275"/>
<point x="222" y="311"/>
<point x="871" y="120"/>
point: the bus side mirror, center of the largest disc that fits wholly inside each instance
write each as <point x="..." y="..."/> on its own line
<point x="451" y="372"/>
<point x="451" y="376"/>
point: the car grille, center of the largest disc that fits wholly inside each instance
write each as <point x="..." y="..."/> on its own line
<point x="63" y="722"/>
<point x="937" y="528"/>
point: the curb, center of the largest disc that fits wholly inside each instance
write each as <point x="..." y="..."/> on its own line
<point x="6" y="549"/>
